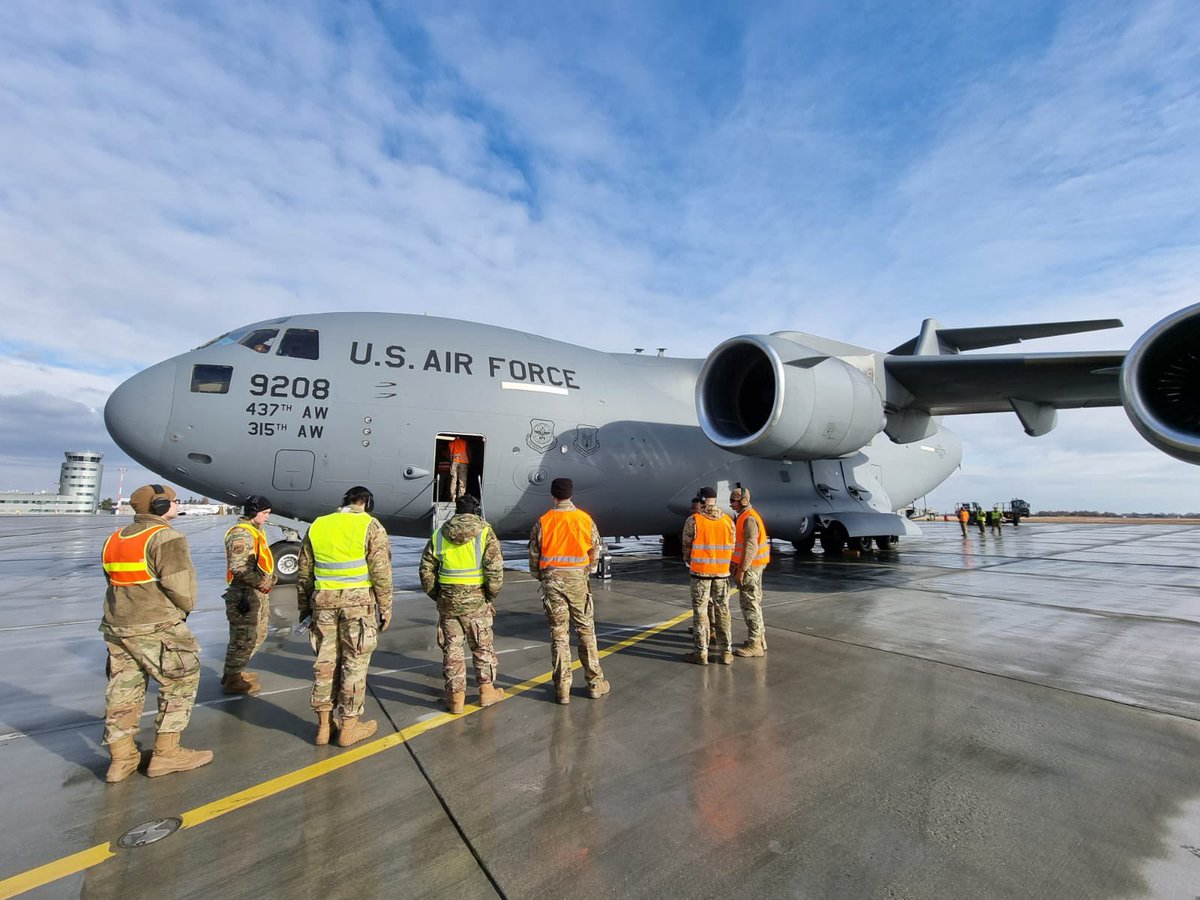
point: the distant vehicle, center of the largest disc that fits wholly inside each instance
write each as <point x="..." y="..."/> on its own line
<point x="1015" y="505"/>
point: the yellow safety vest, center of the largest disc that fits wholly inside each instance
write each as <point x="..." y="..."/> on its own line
<point x="262" y="551"/>
<point x="460" y="563"/>
<point x="339" y="542"/>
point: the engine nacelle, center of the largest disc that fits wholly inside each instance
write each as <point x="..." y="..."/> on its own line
<point x="1160" y="385"/>
<point x="767" y="396"/>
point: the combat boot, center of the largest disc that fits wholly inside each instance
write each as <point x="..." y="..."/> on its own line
<point x="252" y="677"/>
<point x="239" y="684"/>
<point x="699" y="657"/>
<point x="324" y="726"/>
<point x="454" y="702"/>
<point x="170" y="757"/>
<point x="490" y="694"/>
<point x="353" y="731"/>
<point x="751" y="648"/>
<point x="599" y="689"/>
<point x="125" y="759"/>
<point x="562" y="694"/>
<point x="727" y="658"/>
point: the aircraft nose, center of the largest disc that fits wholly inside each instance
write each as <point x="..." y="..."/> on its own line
<point x="139" y="411"/>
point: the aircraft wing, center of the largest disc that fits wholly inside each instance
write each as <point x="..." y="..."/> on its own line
<point x="1029" y="384"/>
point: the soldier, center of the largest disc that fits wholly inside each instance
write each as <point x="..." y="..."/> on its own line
<point x="151" y="590"/>
<point x="344" y="584"/>
<point x="708" y="539"/>
<point x="250" y="574"/>
<point x="563" y="546"/>
<point x="751" y="553"/>
<point x="459" y="463"/>
<point x="462" y="569"/>
<point x="964" y="515"/>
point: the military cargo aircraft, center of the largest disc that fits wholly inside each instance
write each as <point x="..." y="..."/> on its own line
<point x="831" y="438"/>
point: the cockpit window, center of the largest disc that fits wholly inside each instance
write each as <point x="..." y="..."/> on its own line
<point x="239" y="336"/>
<point x="302" y="343"/>
<point x="260" y="339"/>
<point x="211" y="379"/>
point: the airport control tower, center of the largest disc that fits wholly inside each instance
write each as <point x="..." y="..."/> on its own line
<point x="80" y="478"/>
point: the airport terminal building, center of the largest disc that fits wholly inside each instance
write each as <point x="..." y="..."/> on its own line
<point x="78" y="490"/>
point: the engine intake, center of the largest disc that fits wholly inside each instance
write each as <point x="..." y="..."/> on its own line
<point x="767" y="396"/>
<point x="1160" y="385"/>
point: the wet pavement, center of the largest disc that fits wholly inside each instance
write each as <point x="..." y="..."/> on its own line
<point x="1003" y="716"/>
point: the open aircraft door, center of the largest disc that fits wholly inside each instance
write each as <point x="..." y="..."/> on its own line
<point x="442" y="498"/>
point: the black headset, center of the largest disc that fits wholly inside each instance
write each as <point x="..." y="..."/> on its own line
<point x="160" y="506"/>
<point x="369" y="506"/>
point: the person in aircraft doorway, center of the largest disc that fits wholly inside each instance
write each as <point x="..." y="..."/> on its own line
<point x="563" y="546"/>
<point x="751" y="553"/>
<point x="460" y="461"/>
<point x="151" y="590"/>
<point x="344" y="587"/>
<point x="708" y="540"/>
<point x="462" y="569"/>
<point x="250" y="574"/>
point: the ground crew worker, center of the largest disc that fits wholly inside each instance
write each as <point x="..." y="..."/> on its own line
<point x="964" y="516"/>
<point x="250" y="574"/>
<point x="996" y="519"/>
<point x="462" y="569"/>
<point x="563" y="546"/>
<point x="459" y="462"/>
<point x="151" y="590"/>
<point x="751" y="553"/>
<point x="344" y="583"/>
<point x="708" y="539"/>
<point x="979" y="521"/>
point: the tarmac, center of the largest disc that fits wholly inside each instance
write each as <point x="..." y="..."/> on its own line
<point x="1000" y="716"/>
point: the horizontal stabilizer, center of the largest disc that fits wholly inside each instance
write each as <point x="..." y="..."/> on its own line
<point x="955" y="340"/>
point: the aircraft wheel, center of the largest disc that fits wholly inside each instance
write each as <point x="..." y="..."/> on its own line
<point x="861" y="544"/>
<point x="887" y="542"/>
<point x="287" y="561"/>
<point x="805" y="544"/>
<point x="833" y="539"/>
<point x="672" y="545"/>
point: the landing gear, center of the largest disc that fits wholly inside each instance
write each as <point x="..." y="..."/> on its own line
<point x="858" y="544"/>
<point x="803" y="542"/>
<point x="287" y="561"/>
<point x="888" y="542"/>
<point x="834" y="538"/>
<point x="672" y="546"/>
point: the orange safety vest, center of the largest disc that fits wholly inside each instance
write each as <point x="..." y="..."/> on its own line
<point x="963" y="515"/>
<point x="262" y="550"/>
<point x="566" y="539"/>
<point x="713" y="547"/>
<point x="458" y="451"/>
<point x="124" y="558"/>
<point x="764" y="544"/>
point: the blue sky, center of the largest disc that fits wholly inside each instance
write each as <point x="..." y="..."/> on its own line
<point x="615" y="174"/>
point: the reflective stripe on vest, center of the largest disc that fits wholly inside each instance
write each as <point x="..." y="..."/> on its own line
<point x="339" y="542"/>
<point x="262" y="551"/>
<point x="458" y="451"/>
<point x="124" y="558"/>
<point x="712" y="548"/>
<point x="764" y="544"/>
<point x="460" y="563"/>
<point x="566" y="539"/>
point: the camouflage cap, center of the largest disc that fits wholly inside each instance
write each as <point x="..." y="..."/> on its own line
<point x="143" y="499"/>
<point x="739" y="495"/>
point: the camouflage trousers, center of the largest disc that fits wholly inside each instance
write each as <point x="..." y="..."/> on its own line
<point x="710" y="609"/>
<point x="458" y="480"/>
<point x="344" y="640"/>
<point x="568" y="601"/>
<point x="171" y="656"/>
<point x="454" y="633"/>
<point x="750" y="597"/>
<point x="247" y="630"/>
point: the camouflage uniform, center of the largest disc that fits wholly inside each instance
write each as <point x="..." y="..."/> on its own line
<point x="345" y="623"/>
<point x="706" y="590"/>
<point x="247" y="599"/>
<point x="567" y="599"/>
<point x="144" y="629"/>
<point x="750" y="594"/>
<point x="465" y="611"/>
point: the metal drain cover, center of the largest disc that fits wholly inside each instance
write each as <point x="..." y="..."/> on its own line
<point x="148" y="833"/>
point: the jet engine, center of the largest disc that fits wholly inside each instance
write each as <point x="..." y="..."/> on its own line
<point x="770" y="397"/>
<point x="1159" y="385"/>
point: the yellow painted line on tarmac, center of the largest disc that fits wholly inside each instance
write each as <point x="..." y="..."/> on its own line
<point x="93" y="856"/>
